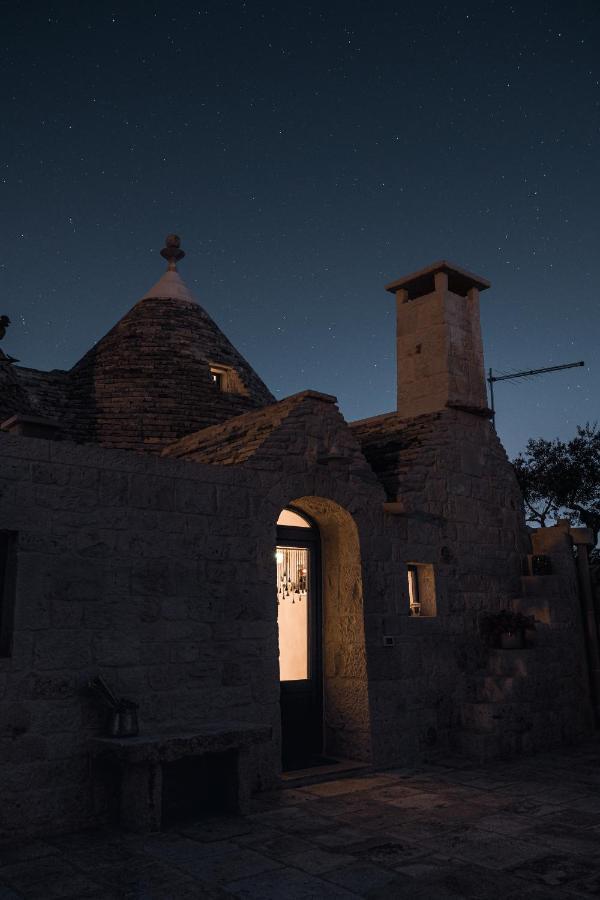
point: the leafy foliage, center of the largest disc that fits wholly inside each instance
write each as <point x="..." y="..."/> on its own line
<point x="562" y="478"/>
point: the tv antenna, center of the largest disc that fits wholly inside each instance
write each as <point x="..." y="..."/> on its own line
<point x="492" y="379"/>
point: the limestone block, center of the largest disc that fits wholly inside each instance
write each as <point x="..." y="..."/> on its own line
<point x="72" y="579"/>
<point x="55" y="497"/>
<point x="115" y="650"/>
<point x="65" y="614"/>
<point x="155" y="653"/>
<point x="194" y="497"/>
<point x="15" y="719"/>
<point x="113" y="489"/>
<point x="152" y="577"/>
<point x="61" y="650"/>
<point x="16" y="470"/>
<point x="23" y="448"/>
<point x="21" y="748"/>
<point x="51" y="717"/>
<point x="165" y="677"/>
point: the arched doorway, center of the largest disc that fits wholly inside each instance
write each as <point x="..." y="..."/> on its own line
<point x="298" y="561"/>
<point x="331" y="719"/>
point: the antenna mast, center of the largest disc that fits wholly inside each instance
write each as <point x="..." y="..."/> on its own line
<point x="491" y="379"/>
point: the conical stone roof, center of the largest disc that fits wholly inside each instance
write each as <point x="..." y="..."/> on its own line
<point x="148" y="382"/>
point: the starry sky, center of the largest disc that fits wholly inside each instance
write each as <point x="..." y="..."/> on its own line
<point x="308" y="154"/>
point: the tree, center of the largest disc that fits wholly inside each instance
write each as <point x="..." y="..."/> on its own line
<point x="562" y="478"/>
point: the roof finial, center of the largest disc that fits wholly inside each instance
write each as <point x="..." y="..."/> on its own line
<point x="172" y="252"/>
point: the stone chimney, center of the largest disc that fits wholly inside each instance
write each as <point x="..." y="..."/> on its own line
<point x="438" y="333"/>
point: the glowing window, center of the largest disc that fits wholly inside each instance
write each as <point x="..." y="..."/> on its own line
<point x="292" y="519"/>
<point x="413" y="591"/>
<point x="227" y="379"/>
<point x="292" y="612"/>
<point x="218" y="376"/>
<point x="421" y="589"/>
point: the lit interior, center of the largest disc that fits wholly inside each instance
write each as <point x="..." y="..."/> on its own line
<point x="413" y="591"/>
<point x="292" y="611"/>
<point x="218" y="376"/>
<point x="287" y="517"/>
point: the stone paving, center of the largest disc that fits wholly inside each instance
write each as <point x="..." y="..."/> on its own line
<point x="528" y="828"/>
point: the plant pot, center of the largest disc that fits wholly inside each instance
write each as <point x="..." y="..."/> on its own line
<point x="512" y="640"/>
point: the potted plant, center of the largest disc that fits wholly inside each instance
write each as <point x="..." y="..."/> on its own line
<point x="508" y="629"/>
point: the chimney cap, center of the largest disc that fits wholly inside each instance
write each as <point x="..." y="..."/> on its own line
<point x="423" y="282"/>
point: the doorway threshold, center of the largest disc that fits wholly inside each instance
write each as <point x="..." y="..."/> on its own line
<point x="333" y="769"/>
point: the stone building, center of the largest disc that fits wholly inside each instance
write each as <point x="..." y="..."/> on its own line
<point x="263" y="579"/>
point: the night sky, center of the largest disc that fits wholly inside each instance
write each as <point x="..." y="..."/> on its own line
<point x="308" y="154"/>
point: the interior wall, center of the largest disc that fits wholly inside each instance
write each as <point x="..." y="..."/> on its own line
<point x="345" y="687"/>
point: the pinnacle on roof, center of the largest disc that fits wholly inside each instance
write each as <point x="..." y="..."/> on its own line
<point x="150" y="380"/>
<point x="171" y="285"/>
<point x="172" y="251"/>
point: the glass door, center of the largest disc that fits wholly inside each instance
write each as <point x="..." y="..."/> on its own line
<point x="299" y="621"/>
<point x="292" y="613"/>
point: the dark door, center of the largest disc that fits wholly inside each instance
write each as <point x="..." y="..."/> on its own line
<point x="299" y="620"/>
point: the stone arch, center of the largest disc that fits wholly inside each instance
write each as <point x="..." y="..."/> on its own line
<point x="347" y="730"/>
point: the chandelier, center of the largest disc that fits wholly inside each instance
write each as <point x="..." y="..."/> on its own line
<point x="292" y="573"/>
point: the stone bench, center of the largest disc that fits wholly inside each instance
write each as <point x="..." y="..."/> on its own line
<point x="140" y="760"/>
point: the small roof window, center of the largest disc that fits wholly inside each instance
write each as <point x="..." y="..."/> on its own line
<point x="218" y="377"/>
<point x="227" y="379"/>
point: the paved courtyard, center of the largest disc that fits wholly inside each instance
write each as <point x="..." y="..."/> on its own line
<point x="528" y="828"/>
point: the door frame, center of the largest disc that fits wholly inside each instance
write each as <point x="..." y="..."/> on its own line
<point x="292" y="536"/>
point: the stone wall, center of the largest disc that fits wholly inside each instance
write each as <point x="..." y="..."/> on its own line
<point x="159" y="574"/>
<point x="144" y="571"/>
<point x="454" y="498"/>
<point x="439" y="351"/>
<point x="148" y="381"/>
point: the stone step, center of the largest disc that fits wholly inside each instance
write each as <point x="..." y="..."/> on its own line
<point x="498" y="689"/>
<point x="512" y="663"/>
<point x="531" y="734"/>
<point x="484" y="746"/>
<point x="492" y="717"/>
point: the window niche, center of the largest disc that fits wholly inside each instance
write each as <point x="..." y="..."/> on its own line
<point x="8" y="560"/>
<point x="421" y="590"/>
<point x="227" y="380"/>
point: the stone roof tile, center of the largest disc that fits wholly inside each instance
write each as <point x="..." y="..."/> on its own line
<point x="149" y="382"/>
<point x="392" y="445"/>
<point x="235" y="441"/>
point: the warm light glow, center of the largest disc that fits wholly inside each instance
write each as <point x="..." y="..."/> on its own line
<point x="292" y="612"/>
<point x="218" y="377"/>
<point x="413" y="590"/>
<point x="289" y="518"/>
